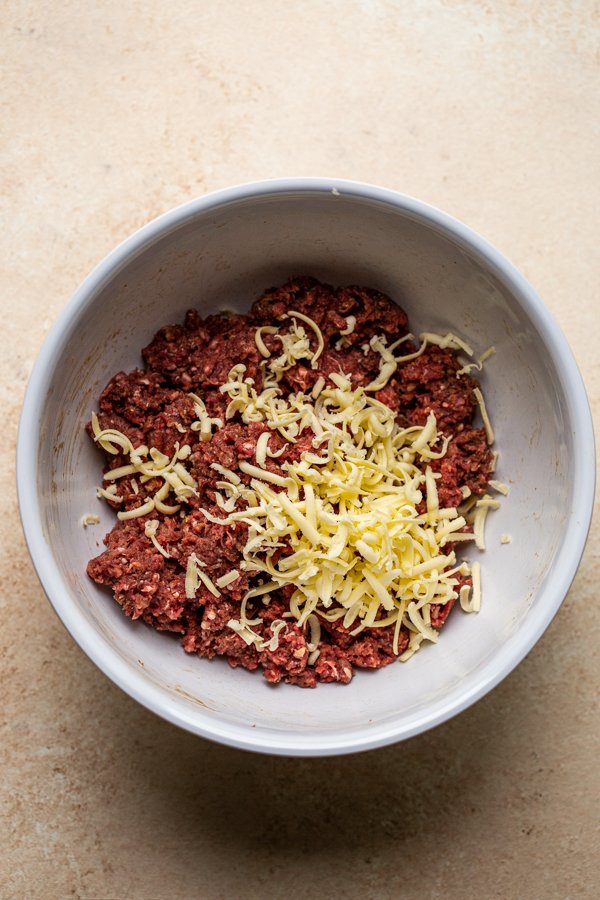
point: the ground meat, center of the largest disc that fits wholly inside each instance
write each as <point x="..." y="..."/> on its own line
<point x="439" y="613"/>
<point x="363" y="369"/>
<point x="468" y="462"/>
<point x="130" y="565"/>
<point x="209" y="635"/>
<point x="231" y="443"/>
<point x="333" y="664"/>
<point x="429" y="384"/>
<point x="152" y="406"/>
<point x="203" y="537"/>
<point x="290" y="657"/>
<point x="375" y="313"/>
<point x="114" y="421"/>
<point x="371" y="649"/>
<point x="171" y="425"/>
<point x="200" y="354"/>
<point x="168" y="604"/>
<point x="135" y="396"/>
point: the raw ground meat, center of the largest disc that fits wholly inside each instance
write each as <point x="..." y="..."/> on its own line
<point x="153" y="407"/>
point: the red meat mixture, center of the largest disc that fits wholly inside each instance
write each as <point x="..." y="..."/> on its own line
<point x="153" y="407"/>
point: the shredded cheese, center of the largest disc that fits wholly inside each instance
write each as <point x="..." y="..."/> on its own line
<point x="295" y="346"/>
<point x="260" y="344"/>
<point x="476" y="365"/>
<point x="344" y="332"/>
<point x="445" y="341"/>
<point x="415" y="641"/>
<point x="231" y="476"/>
<point x="464" y="596"/>
<point x="107" y="438"/>
<point x="273" y="643"/>
<point x="359" y="547"/>
<point x="89" y="519"/>
<point x="350" y="326"/>
<point x="489" y="431"/>
<point x="481" y="510"/>
<point x="389" y="363"/>
<point x="148" y="463"/>
<point x="315" y="636"/>
<point x="109" y="493"/>
<point x="312" y="324"/>
<point x="194" y="574"/>
<point x="318" y="387"/>
<point x="142" y="510"/>
<point x="204" y="424"/>
<point x="208" y="583"/>
<point x="150" y="529"/>
<point x="227" y="579"/>
<point x="476" y="598"/>
<point x="261" y="449"/>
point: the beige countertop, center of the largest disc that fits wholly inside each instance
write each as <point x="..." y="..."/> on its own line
<point x="115" y="111"/>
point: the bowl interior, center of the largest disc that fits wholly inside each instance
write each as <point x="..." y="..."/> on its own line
<point x="222" y="255"/>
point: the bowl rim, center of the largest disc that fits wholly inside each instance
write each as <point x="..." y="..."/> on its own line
<point x="298" y="743"/>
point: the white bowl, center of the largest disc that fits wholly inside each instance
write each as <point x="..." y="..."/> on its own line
<point x="220" y="251"/>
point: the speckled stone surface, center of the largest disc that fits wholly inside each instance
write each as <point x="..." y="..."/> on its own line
<point x="113" y="112"/>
